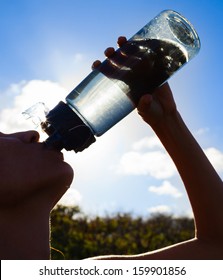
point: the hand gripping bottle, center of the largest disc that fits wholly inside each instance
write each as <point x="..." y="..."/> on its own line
<point x="112" y="91"/>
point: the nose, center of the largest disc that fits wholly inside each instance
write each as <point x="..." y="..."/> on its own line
<point x="30" y="136"/>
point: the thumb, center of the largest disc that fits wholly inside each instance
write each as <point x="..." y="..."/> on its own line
<point x="144" y="104"/>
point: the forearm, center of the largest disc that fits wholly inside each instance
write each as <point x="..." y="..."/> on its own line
<point x="203" y="185"/>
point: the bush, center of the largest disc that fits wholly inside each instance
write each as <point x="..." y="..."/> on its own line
<point x="78" y="237"/>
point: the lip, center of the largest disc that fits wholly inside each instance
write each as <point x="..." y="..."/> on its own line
<point x="58" y="153"/>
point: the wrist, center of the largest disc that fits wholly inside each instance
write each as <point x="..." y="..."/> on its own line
<point x="169" y="124"/>
<point x="174" y="135"/>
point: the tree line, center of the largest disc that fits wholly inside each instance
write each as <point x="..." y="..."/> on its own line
<point x="76" y="236"/>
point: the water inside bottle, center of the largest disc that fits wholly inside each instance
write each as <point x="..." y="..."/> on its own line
<point x="112" y="91"/>
<point x="100" y="102"/>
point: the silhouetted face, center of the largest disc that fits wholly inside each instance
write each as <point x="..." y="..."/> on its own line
<point x="26" y="167"/>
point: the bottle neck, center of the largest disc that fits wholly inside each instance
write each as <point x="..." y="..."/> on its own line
<point x="66" y="130"/>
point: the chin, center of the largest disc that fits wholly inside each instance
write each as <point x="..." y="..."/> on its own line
<point x="67" y="174"/>
<point x="59" y="175"/>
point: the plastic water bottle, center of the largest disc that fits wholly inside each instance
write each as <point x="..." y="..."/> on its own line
<point x="113" y="90"/>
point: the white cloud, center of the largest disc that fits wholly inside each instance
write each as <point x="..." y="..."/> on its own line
<point x="202" y="131"/>
<point x="72" y="197"/>
<point x="157" y="164"/>
<point x="38" y="90"/>
<point x="166" y="188"/>
<point x="216" y="158"/>
<point x="163" y="209"/>
<point x="154" y="162"/>
<point x="147" y="143"/>
<point x="148" y="157"/>
<point x="21" y="96"/>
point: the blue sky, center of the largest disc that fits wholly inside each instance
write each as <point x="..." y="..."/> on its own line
<point x="47" y="47"/>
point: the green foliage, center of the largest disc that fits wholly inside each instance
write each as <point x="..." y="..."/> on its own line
<point x="79" y="237"/>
